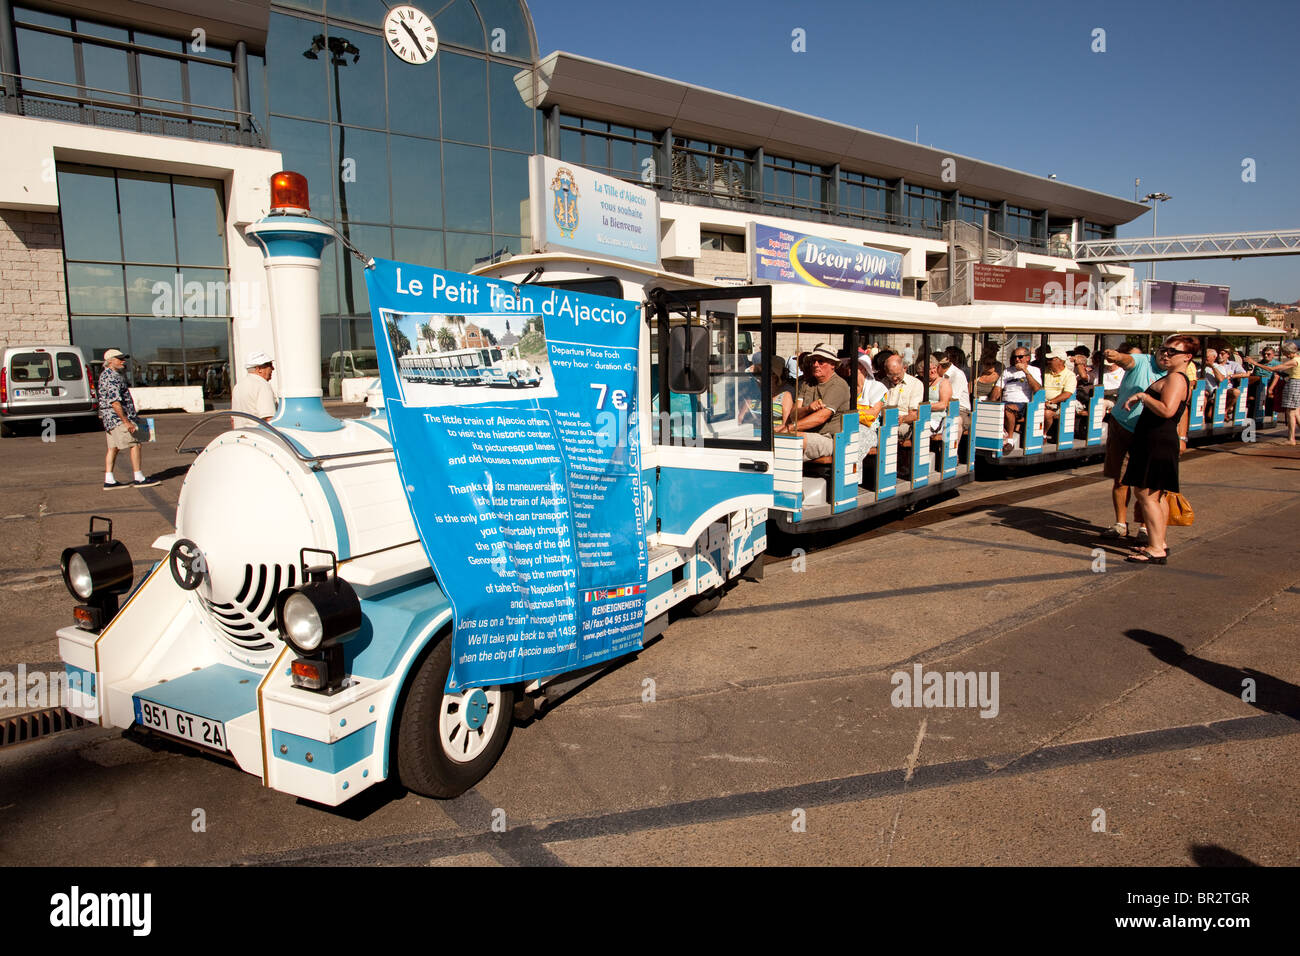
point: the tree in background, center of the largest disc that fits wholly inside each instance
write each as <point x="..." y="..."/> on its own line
<point x="397" y="339"/>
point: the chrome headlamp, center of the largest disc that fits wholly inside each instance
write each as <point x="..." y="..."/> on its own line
<point x="315" y="618"/>
<point x="96" y="574"/>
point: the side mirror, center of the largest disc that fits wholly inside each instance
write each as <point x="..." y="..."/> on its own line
<point x="688" y="359"/>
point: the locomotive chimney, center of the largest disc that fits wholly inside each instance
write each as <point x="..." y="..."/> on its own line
<point x="293" y="243"/>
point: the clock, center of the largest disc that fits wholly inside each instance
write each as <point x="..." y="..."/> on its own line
<point x="410" y="34"/>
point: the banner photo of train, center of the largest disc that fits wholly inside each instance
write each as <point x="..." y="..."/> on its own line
<point x="468" y="359"/>
<point x="523" y="475"/>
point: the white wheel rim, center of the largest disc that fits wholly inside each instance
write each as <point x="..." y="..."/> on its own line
<point x="461" y="740"/>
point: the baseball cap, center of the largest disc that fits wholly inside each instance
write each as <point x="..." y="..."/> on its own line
<point x="257" y="358"/>
<point x="1055" y="353"/>
<point x="115" y="353"/>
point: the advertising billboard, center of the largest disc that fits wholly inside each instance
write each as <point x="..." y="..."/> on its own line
<point x="1161" y="296"/>
<point x="1032" y="286"/>
<point x="781" y="255"/>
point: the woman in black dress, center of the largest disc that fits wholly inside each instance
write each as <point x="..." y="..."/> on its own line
<point x="1153" y="457"/>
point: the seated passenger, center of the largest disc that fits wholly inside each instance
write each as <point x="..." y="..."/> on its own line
<point x="1015" y="386"/>
<point x="988" y="372"/>
<point x="938" y="394"/>
<point x="1078" y="359"/>
<point x="951" y="361"/>
<point x="823" y="398"/>
<point x="1059" y="385"/>
<point x="905" y="392"/>
<point x="871" y="402"/>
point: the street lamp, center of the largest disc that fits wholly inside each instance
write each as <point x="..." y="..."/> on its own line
<point x="1154" y="198"/>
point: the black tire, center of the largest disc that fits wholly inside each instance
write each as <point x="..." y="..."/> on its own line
<point x="705" y="603"/>
<point x="423" y="764"/>
<point x="6" y="430"/>
<point x="514" y="381"/>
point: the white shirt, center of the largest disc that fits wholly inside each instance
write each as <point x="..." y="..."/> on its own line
<point x="1015" y="387"/>
<point x="254" y="395"/>
<point x="960" y="386"/>
<point x="906" y="396"/>
<point x="1110" y="379"/>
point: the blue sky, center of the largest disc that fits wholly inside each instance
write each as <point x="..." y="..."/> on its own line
<point x="1183" y="93"/>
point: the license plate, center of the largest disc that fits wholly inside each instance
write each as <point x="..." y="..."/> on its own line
<point x="177" y="723"/>
<point x="31" y="392"/>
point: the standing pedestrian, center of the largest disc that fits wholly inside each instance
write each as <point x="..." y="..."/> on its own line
<point x="1288" y="372"/>
<point x="253" y="394"/>
<point x="1139" y="371"/>
<point x="121" y="426"/>
<point x="1153" y="457"/>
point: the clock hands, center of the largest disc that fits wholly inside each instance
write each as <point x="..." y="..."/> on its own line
<point x="414" y="39"/>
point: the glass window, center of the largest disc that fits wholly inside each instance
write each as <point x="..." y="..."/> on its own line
<point x="151" y="290"/>
<point x="299" y="86"/>
<point x="363" y="177"/>
<point x="257" y="89"/>
<point x="207" y="354"/>
<point x="107" y="76"/>
<point x="305" y="148"/>
<point x="465" y="183"/>
<point x="144" y="199"/>
<point x="571" y="146"/>
<point x="48" y="57"/>
<point x="212" y="86"/>
<point x="512" y="120"/>
<point x="508" y="17"/>
<point x="95" y="289"/>
<point x="413" y="98"/>
<point x="156" y="351"/>
<point x="69" y="367"/>
<point x="361" y="84"/>
<point x="721" y="242"/>
<point x="160" y="79"/>
<point x="362" y="11"/>
<point x="420" y="246"/>
<point x="22" y="15"/>
<point x="459" y="24"/>
<point x="95" y="336"/>
<point x="509" y="193"/>
<point x="373" y="241"/>
<point x="416" y="179"/>
<point x="463" y="250"/>
<point x="200" y="221"/>
<point x="329" y="280"/>
<point x="464" y="98"/>
<point x="92" y="233"/>
<point x="171" y="44"/>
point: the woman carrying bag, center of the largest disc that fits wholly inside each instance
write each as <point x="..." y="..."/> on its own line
<point x="1153" y="458"/>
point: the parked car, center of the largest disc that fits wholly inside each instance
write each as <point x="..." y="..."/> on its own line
<point x="357" y="363"/>
<point x="45" y="381"/>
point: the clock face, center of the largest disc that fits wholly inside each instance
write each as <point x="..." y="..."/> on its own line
<point x="410" y="34"/>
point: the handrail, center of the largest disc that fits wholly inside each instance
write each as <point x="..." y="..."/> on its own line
<point x="313" y="460"/>
<point x="135" y="103"/>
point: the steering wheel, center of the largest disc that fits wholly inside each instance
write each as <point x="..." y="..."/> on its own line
<point x="186" y="563"/>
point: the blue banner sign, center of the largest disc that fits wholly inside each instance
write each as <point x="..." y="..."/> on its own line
<point x="513" y="416"/>
<point x="784" y="256"/>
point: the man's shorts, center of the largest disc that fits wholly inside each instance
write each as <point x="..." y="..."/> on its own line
<point x="817" y="446"/>
<point x="1118" y="441"/>
<point x="122" y="438"/>
<point x="1018" y="408"/>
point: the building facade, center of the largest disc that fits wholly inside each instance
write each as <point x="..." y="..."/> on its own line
<point x="140" y="138"/>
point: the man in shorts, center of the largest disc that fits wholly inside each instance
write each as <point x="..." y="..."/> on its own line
<point x="117" y="412"/>
<point x="823" y="398"/>
<point x="1139" y="372"/>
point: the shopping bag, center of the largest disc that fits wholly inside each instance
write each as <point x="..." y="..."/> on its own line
<point x="1180" y="509"/>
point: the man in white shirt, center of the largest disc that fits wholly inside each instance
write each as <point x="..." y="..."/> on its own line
<point x="948" y="362"/>
<point x="1015" y="387"/>
<point x="254" y="394"/>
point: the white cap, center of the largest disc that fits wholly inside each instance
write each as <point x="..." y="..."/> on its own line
<point x="256" y="359"/>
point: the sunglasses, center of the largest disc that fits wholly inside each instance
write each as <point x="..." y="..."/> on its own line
<point x="1166" y="351"/>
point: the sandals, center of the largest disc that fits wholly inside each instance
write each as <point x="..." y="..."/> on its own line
<point x="1143" y="556"/>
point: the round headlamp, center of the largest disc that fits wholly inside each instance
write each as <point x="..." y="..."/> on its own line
<point x="318" y="613"/>
<point x="100" y="569"/>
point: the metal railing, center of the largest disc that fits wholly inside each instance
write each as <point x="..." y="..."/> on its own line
<point x="38" y="98"/>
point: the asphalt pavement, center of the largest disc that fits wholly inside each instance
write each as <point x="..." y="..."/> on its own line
<point x="1142" y="716"/>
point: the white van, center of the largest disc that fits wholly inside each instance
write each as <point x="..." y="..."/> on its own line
<point x="45" y="381"/>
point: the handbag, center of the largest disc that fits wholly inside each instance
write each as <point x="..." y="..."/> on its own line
<point x="1180" y="510"/>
